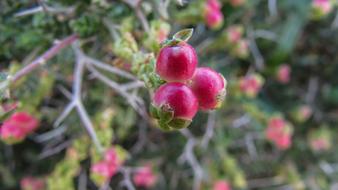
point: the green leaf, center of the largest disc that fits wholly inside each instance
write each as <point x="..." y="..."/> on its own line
<point x="183" y="35"/>
<point x="154" y="111"/>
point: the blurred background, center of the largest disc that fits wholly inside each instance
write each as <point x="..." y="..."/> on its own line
<point x="75" y="91"/>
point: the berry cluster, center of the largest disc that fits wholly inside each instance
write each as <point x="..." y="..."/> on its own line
<point x="187" y="87"/>
<point x="17" y="127"/>
<point x="279" y="131"/>
<point x="213" y="14"/>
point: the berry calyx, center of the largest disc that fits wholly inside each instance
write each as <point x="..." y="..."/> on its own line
<point x="174" y="104"/>
<point x="209" y="88"/>
<point x="177" y="60"/>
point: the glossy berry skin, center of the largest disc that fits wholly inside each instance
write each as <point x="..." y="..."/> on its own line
<point x="209" y="88"/>
<point x="179" y="98"/>
<point x="176" y="63"/>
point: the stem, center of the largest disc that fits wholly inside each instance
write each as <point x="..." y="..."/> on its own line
<point x="44" y="57"/>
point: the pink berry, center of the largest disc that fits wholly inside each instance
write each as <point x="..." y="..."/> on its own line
<point x="213" y="17"/>
<point x="144" y="177"/>
<point x="209" y="88"/>
<point x="176" y="63"/>
<point x="214" y="4"/>
<point x="221" y="185"/>
<point x="179" y="98"/>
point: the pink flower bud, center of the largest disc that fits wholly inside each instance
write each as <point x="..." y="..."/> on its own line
<point x="221" y="185"/>
<point x="303" y="113"/>
<point x="234" y="33"/>
<point x="241" y="49"/>
<point x="321" y="7"/>
<point x="279" y="131"/>
<point x="283" y="74"/>
<point x="250" y="85"/>
<point x="283" y="142"/>
<point x="144" y="177"/>
<point x="103" y="170"/>
<point x="213" y="17"/>
<point x="320" y="139"/>
<point x="32" y="183"/>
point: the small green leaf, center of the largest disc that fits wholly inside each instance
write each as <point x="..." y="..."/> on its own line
<point x="183" y="35"/>
<point x="179" y="123"/>
<point x="164" y="126"/>
<point x="154" y="111"/>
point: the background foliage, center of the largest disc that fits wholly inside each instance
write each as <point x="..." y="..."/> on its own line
<point x="121" y="34"/>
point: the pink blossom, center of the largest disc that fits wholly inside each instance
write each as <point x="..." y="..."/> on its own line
<point x="251" y="84"/>
<point x="283" y="73"/>
<point x="234" y="34"/>
<point x="144" y="177"/>
<point x="32" y="183"/>
<point x="324" y="6"/>
<point x="221" y="185"/>
<point x="320" y="144"/>
<point x="18" y="126"/>
<point x="104" y="170"/>
<point x="279" y="132"/>
<point x="284" y="141"/>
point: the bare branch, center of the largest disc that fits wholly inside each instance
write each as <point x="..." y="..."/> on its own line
<point x="44" y="57"/>
<point x="209" y="130"/>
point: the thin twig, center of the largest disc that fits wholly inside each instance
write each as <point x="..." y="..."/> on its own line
<point x="44" y="57"/>
<point x="209" y="130"/>
<point x="259" y="60"/>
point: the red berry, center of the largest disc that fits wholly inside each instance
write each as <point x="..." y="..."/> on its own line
<point x="209" y="88"/>
<point x="177" y="103"/>
<point x="176" y="63"/>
